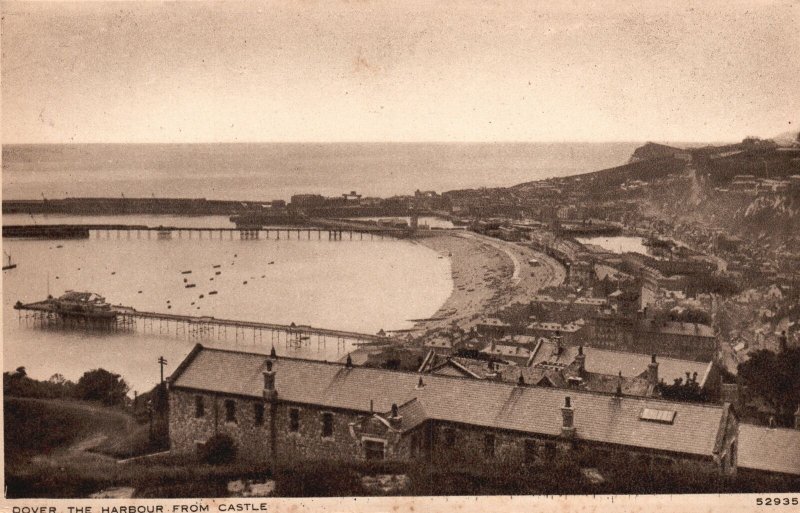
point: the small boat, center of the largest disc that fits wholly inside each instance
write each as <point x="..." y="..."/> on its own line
<point x="113" y="273"/>
<point x="211" y="279"/>
<point x="263" y="275"/>
<point x="271" y="262"/>
<point x="201" y="296"/>
<point x="190" y="285"/>
<point x="244" y="282"/>
<point x="56" y="277"/>
<point x="192" y="303"/>
<point x="186" y="272"/>
<point x="168" y="301"/>
<point x="235" y="255"/>
<point x="169" y="307"/>
<point x="212" y="292"/>
<point x="140" y="292"/>
<point x="59" y="246"/>
<point x="218" y="273"/>
<point x="185" y="280"/>
<point x="216" y="266"/>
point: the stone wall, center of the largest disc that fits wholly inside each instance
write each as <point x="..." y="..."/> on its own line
<point x="439" y="441"/>
<point x="187" y="430"/>
<point x="253" y="440"/>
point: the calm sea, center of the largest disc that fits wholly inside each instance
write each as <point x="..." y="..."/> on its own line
<point x="359" y="286"/>
<point x="276" y="171"/>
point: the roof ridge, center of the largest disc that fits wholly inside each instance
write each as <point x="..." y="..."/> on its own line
<point x="464" y="378"/>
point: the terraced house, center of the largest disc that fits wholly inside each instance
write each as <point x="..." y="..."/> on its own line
<point x="284" y="409"/>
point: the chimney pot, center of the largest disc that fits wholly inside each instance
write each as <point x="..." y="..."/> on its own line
<point x="270" y="393"/>
<point x="395" y="419"/>
<point x="652" y="372"/>
<point x="568" y="417"/>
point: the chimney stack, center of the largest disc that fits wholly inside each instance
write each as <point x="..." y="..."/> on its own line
<point x="652" y="371"/>
<point x="395" y="419"/>
<point x="618" y="392"/>
<point x="349" y="362"/>
<point x="270" y="394"/>
<point x="581" y="360"/>
<point x="568" y="416"/>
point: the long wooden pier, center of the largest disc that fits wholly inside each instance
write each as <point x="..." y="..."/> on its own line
<point x="331" y="229"/>
<point x="46" y="314"/>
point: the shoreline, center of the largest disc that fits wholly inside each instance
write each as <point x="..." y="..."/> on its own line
<point x="488" y="274"/>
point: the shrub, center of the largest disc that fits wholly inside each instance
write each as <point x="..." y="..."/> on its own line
<point x="219" y="449"/>
<point x="318" y="479"/>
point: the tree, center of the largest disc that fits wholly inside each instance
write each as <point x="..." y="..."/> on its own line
<point x="774" y="377"/>
<point x="101" y="385"/>
<point x="681" y="390"/>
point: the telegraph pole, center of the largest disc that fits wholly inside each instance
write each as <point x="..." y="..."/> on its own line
<point x="162" y="362"/>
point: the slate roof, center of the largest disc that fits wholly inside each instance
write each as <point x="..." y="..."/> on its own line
<point x="769" y="449"/>
<point x="536" y="410"/>
<point x="604" y="361"/>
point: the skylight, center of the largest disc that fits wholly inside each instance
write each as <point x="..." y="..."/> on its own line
<point x="653" y="415"/>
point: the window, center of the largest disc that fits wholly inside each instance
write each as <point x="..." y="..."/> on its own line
<point x="294" y="420"/>
<point x="230" y="410"/>
<point x="662" y="416"/>
<point x="531" y="451"/>
<point x="373" y="450"/>
<point x="488" y="445"/>
<point x="449" y="437"/>
<point x="199" y="406"/>
<point x="327" y="424"/>
<point x="258" y="412"/>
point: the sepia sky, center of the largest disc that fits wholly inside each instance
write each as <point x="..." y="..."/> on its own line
<point x="398" y="71"/>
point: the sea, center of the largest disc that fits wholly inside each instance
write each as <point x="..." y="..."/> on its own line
<point x="358" y="285"/>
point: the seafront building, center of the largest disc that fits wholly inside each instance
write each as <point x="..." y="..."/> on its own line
<point x="281" y="410"/>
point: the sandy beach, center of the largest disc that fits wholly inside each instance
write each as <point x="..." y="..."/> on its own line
<point x="487" y="275"/>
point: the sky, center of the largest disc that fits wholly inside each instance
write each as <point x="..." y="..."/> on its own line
<point x="363" y="70"/>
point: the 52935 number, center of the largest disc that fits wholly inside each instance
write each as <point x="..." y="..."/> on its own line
<point x="777" y="501"/>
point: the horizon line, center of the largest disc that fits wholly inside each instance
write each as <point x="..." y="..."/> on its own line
<point x="189" y="143"/>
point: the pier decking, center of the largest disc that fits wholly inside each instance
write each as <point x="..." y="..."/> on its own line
<point x="334" y="230"/>
<point x="46" y="314"/>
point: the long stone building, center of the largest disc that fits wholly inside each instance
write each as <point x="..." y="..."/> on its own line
<point x="281" y="409"/>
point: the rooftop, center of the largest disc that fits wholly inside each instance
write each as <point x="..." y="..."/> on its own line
<point x="536" y="410"/>
<point x="769" y="449"/>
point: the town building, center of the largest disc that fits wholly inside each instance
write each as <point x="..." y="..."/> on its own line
<point x="550" y="363"/>
<point x="770" y="450"/>
<point x="683" y="340"/>
<point x="283" y="410"/>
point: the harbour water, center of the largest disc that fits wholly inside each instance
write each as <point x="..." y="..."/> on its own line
<point x="361" y="286"/>
<point x="618" y="244"/>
